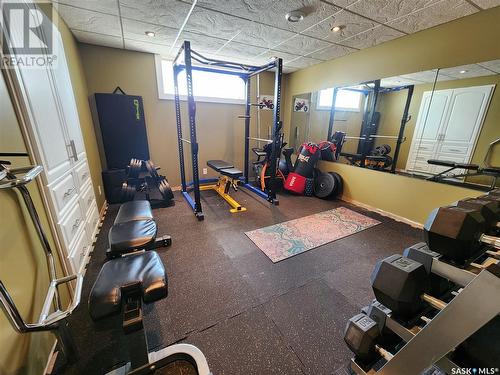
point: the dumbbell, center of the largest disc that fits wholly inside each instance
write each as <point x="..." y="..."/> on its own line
<point x="490" y="209"/>
<point x="362" y="335"/>
<point x="134" y="168"/>
<point x="128" y="191"/>
<point x="457" y="233"/>
<point x="151" y="168"/>
<point x="165" y="189"/>
<point x="401" y="284"/>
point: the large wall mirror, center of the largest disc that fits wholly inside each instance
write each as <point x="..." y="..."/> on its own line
<point x="441" y="124"/>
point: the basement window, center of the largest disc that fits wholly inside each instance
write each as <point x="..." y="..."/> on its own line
<point x="208" y="86"/>
<point x="346" y="100"/>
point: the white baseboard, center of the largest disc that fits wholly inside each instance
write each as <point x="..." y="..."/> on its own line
<point x="384" y="213"/>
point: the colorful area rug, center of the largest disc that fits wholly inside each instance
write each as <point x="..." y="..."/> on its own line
<point x="284" y="240"/>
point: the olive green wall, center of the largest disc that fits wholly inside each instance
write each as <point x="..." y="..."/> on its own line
<point x="467" y="40"/>
<point x="407" y="197"/>
<point x="220" y="133"/>
<point x="23" y="269"/>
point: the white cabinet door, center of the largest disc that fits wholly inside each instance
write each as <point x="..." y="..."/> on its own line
<point x="66" y="96"/>
<point x="431" y="119"/>
<point x="464" y="119"/>
<point x="44" y="112"/>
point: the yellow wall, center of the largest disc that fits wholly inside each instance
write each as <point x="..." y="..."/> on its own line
<point x="220" y="132"/>
<point x="23" y="268"/>
<point x="407" y="197"/>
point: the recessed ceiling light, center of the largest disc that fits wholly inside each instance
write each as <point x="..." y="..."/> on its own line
<point x="337" y="28"/>
<point x="463" y="71"/>
<point x="294" y="16"/>
<point x="151" y="34"/>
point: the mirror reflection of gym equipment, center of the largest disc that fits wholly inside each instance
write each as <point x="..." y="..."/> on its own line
<point x="145" y="146"/>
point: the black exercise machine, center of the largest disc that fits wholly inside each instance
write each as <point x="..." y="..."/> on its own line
<point x="245" y="72"/>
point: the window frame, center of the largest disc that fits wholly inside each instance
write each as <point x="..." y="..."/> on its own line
<point x="338" y="109"/>
<point x="206" y="99"/>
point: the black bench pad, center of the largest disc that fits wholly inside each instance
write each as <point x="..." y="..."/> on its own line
<point x="231" y="172"/>
<point x="453" y="164"/>
<point x="219" y="164"/>
<point x="145" y="268"/>
<point x="134" y="210"/>
<point x="132" y="235"/>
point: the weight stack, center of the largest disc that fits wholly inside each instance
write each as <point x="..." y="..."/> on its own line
<point x="112" y="181"/>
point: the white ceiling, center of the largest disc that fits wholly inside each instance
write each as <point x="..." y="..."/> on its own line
<point x="252" y="31"/>
<point x="486" y="68"/>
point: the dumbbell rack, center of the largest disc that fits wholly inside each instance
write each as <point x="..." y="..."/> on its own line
<point x="459" y="319"/>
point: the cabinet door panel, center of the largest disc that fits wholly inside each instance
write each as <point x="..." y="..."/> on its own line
<point x="43" y="110"/>
<point x="66" y="96"/>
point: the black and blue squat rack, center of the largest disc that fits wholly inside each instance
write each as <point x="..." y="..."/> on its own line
<point x="189" y="61"/>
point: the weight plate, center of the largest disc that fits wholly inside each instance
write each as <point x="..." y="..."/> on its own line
<point x="324" y="185"/>
<point x="150" y="167"/>
<point x="165" y="189"/>
<point x="388" y="161"/>
<point x="339" y="185"/>
<point x="388" y="149"/>
<point x="128" y="192"/>
<point x="134" y="168"/>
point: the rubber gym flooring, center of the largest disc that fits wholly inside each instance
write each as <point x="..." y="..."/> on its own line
<point x="247" y="315"/>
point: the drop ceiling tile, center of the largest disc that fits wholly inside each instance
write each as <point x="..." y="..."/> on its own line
<point x="272" y="13"/>
<point x="239" y="50"/>
<point x="472" y="70"/>
<point x="332" y="52"/>
<point x="85" y="20"/>
<point x="485" y="4"/>
<point x="437" y="14"/>
<point x="301" y="45"/>
<point x="387" y="10"/>
<point x="427" y="76"/>
<point x="98" y="39"/>
<point x="372" y="37"/>
<point x="201" y="43"/>
<point x="492" y="65"/>
<point x="397" y="81"/>
<point x="342" y="3"/>
<point x="303" y="62"/>
<point x="269" y="54"/>
<point x="169" y="13"/>
<point x="160" y="49"/>
<point x="135" y="30"/>
<point x="352" y="24"/>
<point x="215" y="24"/>
<point x="262" y="35"/>
<point x="103" y="6"/>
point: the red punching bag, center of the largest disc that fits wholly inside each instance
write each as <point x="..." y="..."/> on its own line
<point x="303" y="169"/>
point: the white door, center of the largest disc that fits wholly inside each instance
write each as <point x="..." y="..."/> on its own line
<point x="450" y="129"/>
<point x="40" y="94"/>
<point x="431" y="118"/>
<point x="66" y="95"/>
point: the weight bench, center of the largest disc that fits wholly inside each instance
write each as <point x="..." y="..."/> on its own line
<point x="122" y="286"/>
<point x="472" y="170"/>
<point x="134" y="229"/>
<point x="229" y="178"/>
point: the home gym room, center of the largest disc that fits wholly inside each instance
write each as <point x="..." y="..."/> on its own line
<point x="250" y="187"/>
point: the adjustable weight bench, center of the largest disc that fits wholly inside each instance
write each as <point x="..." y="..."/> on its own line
<point x="134" y="229"/>
<point x="229" y="178"/>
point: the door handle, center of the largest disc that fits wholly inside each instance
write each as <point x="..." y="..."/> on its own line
<point x="73" y="149"/>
